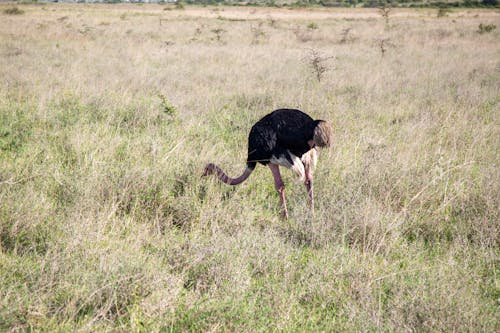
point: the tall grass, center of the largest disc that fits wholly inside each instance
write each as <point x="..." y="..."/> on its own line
<point x="108" y="114"/>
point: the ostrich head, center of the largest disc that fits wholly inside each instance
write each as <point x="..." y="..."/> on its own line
<point x="323" y="134"/>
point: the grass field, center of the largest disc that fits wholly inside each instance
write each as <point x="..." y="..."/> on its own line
<point x="108" y="114"/>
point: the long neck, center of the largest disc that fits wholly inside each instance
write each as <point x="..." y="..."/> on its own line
<point x="223" y="177"/>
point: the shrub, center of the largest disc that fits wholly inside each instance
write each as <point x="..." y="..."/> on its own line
<point x="318" y="63"/>
<point x="13" y="11"/>
<point x="179" y="5"/>
<point x="384" y="12"/>
<point x="312" y="26"/>
<point x="484" y="28"/>
<point x="384" y="44"/>
<point x="258" y="33"/>
<point x="442" y="12"/>
<point x="302" y="35"/>
<point x="166" y="107"/>
<point x="218" y="33"/>
<point x="345" y="35"/>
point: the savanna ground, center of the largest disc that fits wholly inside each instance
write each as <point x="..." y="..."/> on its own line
<point x="108" y="114"/>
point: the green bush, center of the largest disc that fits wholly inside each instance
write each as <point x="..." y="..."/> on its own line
<point x="166" y="107"/>
<point x="13" y="11"/>
<point x="485" y="28"/>
<point x="312" y="26"/>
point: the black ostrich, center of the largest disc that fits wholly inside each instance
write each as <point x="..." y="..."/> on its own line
<point x="285" y="137"/>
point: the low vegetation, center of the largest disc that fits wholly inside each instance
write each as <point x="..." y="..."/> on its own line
<point x="13" y="11"/>
<point x="108" y="114"/>
<point x="485" y="28"/>
<point x="346" y="3"/>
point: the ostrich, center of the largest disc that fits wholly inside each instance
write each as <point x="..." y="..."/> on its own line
<point x="288" y="138"/>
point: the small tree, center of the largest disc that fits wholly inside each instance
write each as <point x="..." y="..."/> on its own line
<point x="13" y="11"/>
<point x="384" y="12"/>
<point x="179" y="5"/>
<point x="383" y="44"/>
<point x="443" y="11"/>
<point x="218" y="33"/>
<point x="345" y="35"/>
<point x="271" y="21"/>
<point x="258" y="33"/>
<point x="318" y="63"/>
<point x="485" y="28"/>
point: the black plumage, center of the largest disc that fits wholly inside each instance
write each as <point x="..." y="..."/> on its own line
<point x="278" y="134"/>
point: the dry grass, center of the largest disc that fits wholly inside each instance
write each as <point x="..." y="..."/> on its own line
<point x="108" y="114"/>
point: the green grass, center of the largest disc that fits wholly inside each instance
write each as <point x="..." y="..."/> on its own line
<point x="106" y="225"/>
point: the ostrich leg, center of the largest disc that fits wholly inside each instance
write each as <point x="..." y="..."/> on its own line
<point x="309" y="187"/>
<point x="280" y="188"/>
<point x="310" y="159"/>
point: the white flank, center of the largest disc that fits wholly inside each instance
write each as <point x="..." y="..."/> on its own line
<point x="297" y="166"/>
<point x="310" y="159"/>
